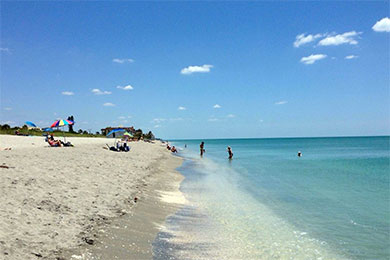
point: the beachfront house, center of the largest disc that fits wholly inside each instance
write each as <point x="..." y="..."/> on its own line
<point x="118" y="134"/>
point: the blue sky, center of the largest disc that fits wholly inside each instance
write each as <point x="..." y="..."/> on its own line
<point x="199" y="69"/>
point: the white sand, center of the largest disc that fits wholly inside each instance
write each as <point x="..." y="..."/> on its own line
<point x="51" y="198"/>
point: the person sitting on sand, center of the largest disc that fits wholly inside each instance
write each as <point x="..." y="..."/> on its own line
<point x="173" y="149"/>
<point x="52" y="142"/>
<point x="229" y="149"/>
<point x="168" y="147"/>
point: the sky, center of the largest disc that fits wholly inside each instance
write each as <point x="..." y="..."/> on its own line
<point x="199" y="69"/>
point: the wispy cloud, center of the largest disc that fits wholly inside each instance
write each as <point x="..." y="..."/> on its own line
<point x="108" y="104"/>
<point x="121" y="117"/>
<point x="196" y="69"/>
<point x="121" y="61"/>
<point x="338" y="39"/>
<point x="128" y="87"/>
<point x="312" y="58"/>
<point x="181" y="108"/>
<point x="230" y="116"/>
<point x="157" y="126"/>
<point x="302" y="39"/>
<point x="8" y="108"/>
<point x="5" y="50"/>
<point x="350" y="57"/>
<point x="97" y="91"/>
<point x="213" y="119"/>
<point x="158" y="120"/>
<point x="216" y="106"/>
<point x="67" y="93"/>
<point x="382" y="25"/>
<point x="281" y="102"/>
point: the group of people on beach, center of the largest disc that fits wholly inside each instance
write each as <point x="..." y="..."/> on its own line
<point x="202" y="151"/>
<point x="172" y="149"/>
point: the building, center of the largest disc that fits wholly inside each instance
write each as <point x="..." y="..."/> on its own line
<point x="106" y="130"/>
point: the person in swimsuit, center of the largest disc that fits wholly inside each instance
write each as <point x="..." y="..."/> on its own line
<point x="229" y="149"/>
<point x="201" y="148"/>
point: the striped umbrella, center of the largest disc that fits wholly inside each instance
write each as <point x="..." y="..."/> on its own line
<point x="62" y="122"/>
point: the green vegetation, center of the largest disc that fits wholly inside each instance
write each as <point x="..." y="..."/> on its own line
<point x="7" y="130"/>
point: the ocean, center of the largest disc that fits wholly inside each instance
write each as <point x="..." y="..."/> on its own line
<point x="333" y="202"/>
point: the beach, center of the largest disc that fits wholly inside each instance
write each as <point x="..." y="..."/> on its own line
<point x="70" y="202"/>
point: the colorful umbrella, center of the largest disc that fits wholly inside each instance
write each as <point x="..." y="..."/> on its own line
<point x="116" y="130"/>
<point x="62" y="123"/>
<point x="128" y="134"/>
<point x="31" y="124"/>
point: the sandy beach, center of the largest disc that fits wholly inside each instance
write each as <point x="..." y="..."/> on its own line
<point x="84" y="202"/>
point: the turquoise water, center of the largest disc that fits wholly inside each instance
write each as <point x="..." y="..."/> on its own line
<point x="266" y="203"/>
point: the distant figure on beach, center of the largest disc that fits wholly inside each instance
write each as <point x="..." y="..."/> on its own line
<point x="229" y="149"/>
<point x="299" y="154"/>
<point x="173" y="149"/>
<point x="168" y="147"/>
<point x="185" y="146"/>
<point x="202" y="150"/>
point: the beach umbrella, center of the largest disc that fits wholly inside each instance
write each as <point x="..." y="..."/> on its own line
<point x="48" y="129"/>
<point x="114" y="131"/>
<point x="31" y="124"/>
<point x="62" y="123"/>
<point x="128" y="134"/>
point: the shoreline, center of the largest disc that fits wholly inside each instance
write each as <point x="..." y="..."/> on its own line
<point x="68" y="202"/>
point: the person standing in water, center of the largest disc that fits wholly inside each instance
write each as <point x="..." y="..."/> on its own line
<point x="201" y="148"/>
<point x="230" y="152"/>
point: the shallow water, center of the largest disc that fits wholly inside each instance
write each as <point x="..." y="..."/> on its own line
<point x="332" y="203"/>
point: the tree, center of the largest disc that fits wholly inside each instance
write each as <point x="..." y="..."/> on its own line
<point x="138" y="134"/>
<point x="80" y="131"/>
<point x="85" y="132"/>
<point x="24" y="127"/>
<point x="97" y="133"/>
<point x="5" y="127"/>
<point x="71" y="126"/>
<point x="149" y="135"/>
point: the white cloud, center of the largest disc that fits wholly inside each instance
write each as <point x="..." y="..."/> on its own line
<point x="8" y="108"/>
<point x="108" y="104"/>
<point x="181" y="108"/>
<point x="5" y="50"/>
<point x="216" y="106"/>
<point x="382" y="25"/>
<point x="281" y="102"/>
<point x="261" y="120"/>
<point x="230" y="116"/>
<point x="158" y="120"/>
<point x="157" y="126"/>
<point x="67" y="93"/>
<point x="196" y="69"/>
<point x="345" y="38"/>
<point x="301" y="39"/>
<point x="121" y="61"/>
<point x="121" y="117"/>
<point x="97" y="91"/>
<point x="213" y="119"/>
<point x="350" y="57"/>
<point x="128" y="87"/>
<point x="312" y="58"/>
